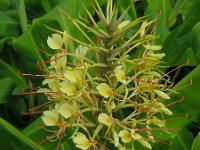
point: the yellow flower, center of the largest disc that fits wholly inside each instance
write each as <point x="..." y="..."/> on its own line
<point x="81" y="50"/>
<point x="153" y="47"/>
<point x="58" y="62"/>
<point x="50" y="118"/>
<point x="122" y="25"/>
<point x="134" y="123"/>
<point x="145" y="144"/>
<point x="52" y="83"/>
<point x="125" y="136"/>
<point x="135" y="136"/>
<point x="103" y="118"/>
<point x="74" y="76"/>
<point x="156" y="121"/>
<point x="66" y="110"/>
<point x="163" y="109"/>
<point x="104" y="90"/>
<point x="68" y="88"/>
<point x="162" y="94"/>
<point x="55" y="42"/>
<point x="120" y="75"/>
<point x="81" y="141"/>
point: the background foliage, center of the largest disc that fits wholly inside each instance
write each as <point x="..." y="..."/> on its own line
<point x="23" y="32"/>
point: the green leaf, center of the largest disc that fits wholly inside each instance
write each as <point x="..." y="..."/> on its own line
<point x="13" y="139"/>
<point x="162" y="27"/>
<point x="9" y="26"/>
<point x="196" y="144"/>
<point x="195" y="40"/>
<point x="179" y="39"/>
<point x="5" y="5"/>
<point x="22" y="14"/>
<point x="9" y="71"/>
<point x="6" y="86"/>
<point x="131" y="12"/>
<point x="190" y="56"/>
<point x="183" y="140"/>
<point x="179" y="6"/>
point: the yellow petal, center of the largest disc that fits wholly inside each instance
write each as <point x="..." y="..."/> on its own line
<point x="66" y="110"/>
<point x="123" y="24"/>
<point x="153" y="47"/>
<point x="120" y="75"/>
<point x="103" y="118"/>
<point x="134" y="123"/>
<point x="104" y="90"/>
<point x="50" y="118"/>
<point x="58" y="61"/>
<point x="162" y="94"/>
<point x="55" y="42"/>
<point x="116" y="138"/>
<point x="81" y="51"/>
<point x="156" y="121"/>
<point x="135" y="136"/>
<point x="52" y="83"/>
<point x="125" y="136"/>
<point x="145" y="144"/>
<point x="74" y="76"/>
<point x="68" y="88"/>
<point x="164" y="109"/>
<point x="81" y="141"/>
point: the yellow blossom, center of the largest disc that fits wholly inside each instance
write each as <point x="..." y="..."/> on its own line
<point x="135" y="136"/>
<point x="104" y="90"/>
<point x="58" y="61"/>
<point x="125" y="136"/>
<point x="81" y="50"/>
<point x="52" y="83"/>
<point x="103" y="118"/>
<point x="120" y="75"/>
<point x="68" y="88"/>
<point x="122" y="25"/>
<point x="66" y="110"/>
<point x="50" y="118"/>
<point x="163" y="109"/>
<point x="152" y="47"/>
<point x="156" y="121"/>
<point x="81" y="141"/>
<point x="162" y="94"/>
<point x="55" y="42"/>
<point x="145" y="144"/>
<point x="74" y="76"/>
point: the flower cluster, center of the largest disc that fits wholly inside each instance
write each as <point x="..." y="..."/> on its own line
<point x="112" y="98"/>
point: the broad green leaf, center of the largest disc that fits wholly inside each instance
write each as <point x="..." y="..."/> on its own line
<point x="180" y="4"/>
<point x="13" y="139"/>
<point x="196" y="144"/>
<point x="9" y="26"/>
<point x="9" y="71"/>
<point x="178" y="40"/>
<point x="6" y="86"/>
<point x="123" y="6"/>
<point x="5" y="5"/>
<point x="190" y="56"/>
<point x="164" y="7"/>
<point x="195" y="40"/>
<point x="22" y="14"/>
<point x="183" y="140"/>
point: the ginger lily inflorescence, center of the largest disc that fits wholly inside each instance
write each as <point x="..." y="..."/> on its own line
<point x="114" y="98"/>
